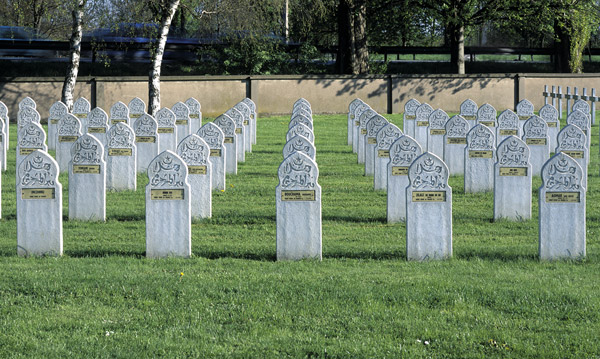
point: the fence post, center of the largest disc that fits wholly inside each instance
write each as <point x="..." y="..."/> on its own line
<point x="568" y="100"/>
<point x="560" y="103"/>
<point x="554" y="96"/>
<point x="545" y="94"/>
<point x="594" y="99"/>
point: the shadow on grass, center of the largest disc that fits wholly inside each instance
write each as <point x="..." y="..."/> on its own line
<point x="100" y="253"/>
<point x="354" y="219"/>
<point x="263" y="256"/>
<point x="495" y="256"/>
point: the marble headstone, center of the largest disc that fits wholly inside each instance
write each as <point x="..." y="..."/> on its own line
<point x="582" y="121"/>
<point x="27" y="101"/>
<point x="215" y="137"/>
<point x="535" y="135"/>
<point x="402" y="154"/>
<point x="302" y="130"/>
<point x="137" y="108"/>
<point x="247" y="123"/>
<point x="81" y="109"/>
<point x="356" y="129"/>
<point x="3" y="147"/>
<point x="454" y="145"/>
<point x="253" y="116"/>
<point x="167" y="134"/>
<point x="573" y="142"/>
<point x="69" y="130"/>
<point x="512" y="180"/>
<point x="480" y="156"/>
<point x="422" y="124"/>
<point x="363" y="119"/>
<point x="195" y="114"/>
<point x="486" y="115"/>
<point x="182" y="120"/>
<point x="240" y="137"/>
<point x="227" y="125"/>
<point x="508" y="125"/>
<point x="437" y="130"/>
<point x="29" y="139"/>
<point x="195" y="152"/>
<point x="351" y="107"/>
<point x="384" y="138"/>
<point x="146" y="141"/>
<point x="375" y="124"/>
<point x="119" y="112"/>
<point x="550" y="114"/>
<point x="468" y="111"/>
<point x="524" y="111"/>
<point x="97" y="124"/>
<point x="409" y="116"/>
<point x="299" y="144"/>
<point x="27" y="115"/>
<point x="87" y="180"/>
<point x="57" y="110"/>
<point x="121" y="158"/>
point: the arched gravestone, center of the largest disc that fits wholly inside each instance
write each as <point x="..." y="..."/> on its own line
<point x="27" y="101"/>
<point x="296" y="119"/>
<point x="351" y="108"/>
<point x="524" y="111"/>
<point x="573" y="142"/>
<point x="29" y="139"/>
<point x="146" y="141"/>
<point x="301" y="101"/>
<point x="486" y="115"/>
<point x="137" y="108"/>
<point x="582" y="106"/>
<point x="27" y="115"/>
<point x="168" y="211"/>
<point x="227" y="125"/>
<point x="87" y="180"/>
<point x="582" y="121"/>
<point x="81" y="109"/>
<point x="535" y="135"/>
<point x="57" y="110"/>
<point x="303" y="110"/>
<point x="167" y="135"/>
<point x="240" y="138"/>
<point x="195" y="114"/>
<point x="468" y="111"/>
<point x="247" y="123"/>
<point x="195" y="152"/>
<point x="299" y="144"/>
<point x="428" y="210"/>
<point x="375" y="124"/>
<point x="97" y="124"/>
<point x="561" y="210"/>
<point x="437" y="130"/>
<point x="121" y="158"/>
<point x="512" y="180"/>
<point x="356" y="129"/>
<point x="298" y="203"/>
<point x="3" y="139"/>
<point x="214" y="137"/>
<point x="253" y="116"/>
<point x="364" y="118"/>
<point x="182" y="120"/>
<point x="384" y="138"/>
<point x="39" y="206"/>
<point x="508" y="125"/>
<point x="409" y="116"/>
<point x="422" y="124"/>
<point x="119" y="112"/>
<point x="550" y="114"/>
<point x="4" y="117"/>
<point x="454" y="145"/>
<point x="480" y="155"/>
<point x="403" y="152"/>
<point x="301" y="130"/>
<point x="69" y="130"/>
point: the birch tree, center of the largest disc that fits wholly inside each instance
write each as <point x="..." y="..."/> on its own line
<point x="75" y="54"/>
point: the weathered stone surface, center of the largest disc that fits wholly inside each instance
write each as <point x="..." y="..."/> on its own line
<point x="298" y="202"/>
<point x="582" y="106"/>
<point x="480" y="155"/>
<point x="69" y="130"/>
<point x="299" y="143"/>
<point x="508" y="125"/>
<point x="535" y="135"/>
<point x="240" y="136"/>
<point x="214" y="137"/>
<point x="455" y="142"/>
<point x="403" y="152"/>
<point x="253" y="116"/>
<point x="304" y="111"/>
<point x="550" y="114"/>
<point x="27" y="115"/>
<point x="3" y="147"/>
<point x="81" y="109"/>
<point x="30" y="138"/>
<point x="351" y="108"/>
<point x="4" y="117"/>
<point x="146" y="141"/>
<point x="486" y="115"/>
<point x="195" y="114"/>
<point x="227" y="125"/>
<point x="97" y="124"/>
<point x="583" y="121"/>
<point x="437" y="130"/>
<point x="300" y="118"/>
<point x="167" y="132"/>
<point x="195" y="152"/>
<point x="384" y="138"/>
<point x="301" y="130"/>
<point x="87" y="180"/>
<point x="422" y="124"/>
<point x="168" y="208"/>
<point x="182" y="120"/>
<point x="524" y="111"/>
<point x="301" y="101"/>
<point x="27" y="101"/>
<point x="572" y="141"/>
<point x="57" y="110"/>
<point x="137" y="108"/>
<point x="119" y="112"/>
<point x="121" y="158"/>
<point x="561" y="210"/>
<point x="363" y="119"/>
<point x="512" y="178"/>
<point x="356" y="130"/>
<point x="468" y="111"/>
<point x="428" y="210"/>
<point x="409" y="116"/>
<point x="375" y="124"/>
<point x="247" y="122"/>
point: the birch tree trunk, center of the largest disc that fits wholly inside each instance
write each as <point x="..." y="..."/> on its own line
<point x="168" y="8"/>
<point x="75" y="54"/>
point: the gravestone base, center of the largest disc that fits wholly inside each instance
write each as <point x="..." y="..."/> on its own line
<point x="299" y="229"/>
<point x="562" y="230"/>
<point x="428" y="228"/>
<point x="168" y="227"/>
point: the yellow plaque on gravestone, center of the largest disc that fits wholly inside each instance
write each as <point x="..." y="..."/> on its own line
<point x="551" y="124"/>
<point x="480" y="154"/>
<point x="228" y="140"/>
<point x="246" y="123"/>
<point x="488" y="123"/>
<point x="383" y="153"/>
<point x="120" y="152"/>
<point x="194" y="115"/>
<point x="86" y="169"/>
<point x="429" y="196"/>
<point x="536" y="141"/>
<point x="372" y="140"/>
<point x="26" y="151"/>
<point x="181" y="122"/>
<point x="67" y="138"/>
<point x="469" y="117"/>
<point x="37" y="193"/>
<point x="135" y="115"/>
<point x="238" y="130"/>
<point x="440" y="131"/>
<point x="399" y="171"/>
<point x="54" y="121"/>
<point x="166" y="130"/>
<point x="574" y="154"/>
<point x="96" y="130"/>
<point x="562" y="197"/>
<point x="524" y="118"/>
<point x="411" y="117"/>
<point x="80" y="115"/>
<point x="363" y="131"/>
<point x="513" y="171"/>
<point x="115" y="121"/>
<point x="422" y="123"/>
<point x="215" y="152"/>
<point x="197" y="170"/>
<point x="167" y="194"/>
<point x="457" y="140"/>
<point x="145" y="139"/>
<point x="298" y="195"/>
<point x="506" y="132"/>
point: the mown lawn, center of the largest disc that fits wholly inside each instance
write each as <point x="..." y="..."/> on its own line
<point x="494" y="298"/>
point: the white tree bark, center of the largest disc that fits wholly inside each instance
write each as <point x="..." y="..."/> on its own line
<point x="75" y="54"/>
<point x="168" y="8"/>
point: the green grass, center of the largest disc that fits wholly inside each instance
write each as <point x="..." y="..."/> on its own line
<point x="232" y="299"/>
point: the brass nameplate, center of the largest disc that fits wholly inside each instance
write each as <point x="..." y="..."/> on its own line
<point x="166" y="194"/>
<point x="508" y="132"/>
<point x="456" y="140"/>
<point x="80" y="115"/>
<point x="166" y="130"/>
<point x="181" y="122"/>
<point x="488" y="123"/>
<point x="429" y="196"/>
<point x="363" y="131"/>
<point x="371" y="140"/>
<point x="524" y="118"/>
<point x="238" y="130"/>
<point x="480" y="154"/>
<point x="228" y="140"/>
<point x="551" y="124"/>
<point x="120" y="152"/>
<point x="422" y="123"/>
<point x="246" y="123"/>
<point x="536" y="141"/>
<point x="298" y="195"/>
<point x="67" y="138"/>
<point x="562" y="197"/>
<point x="194" y="115"/>
<point x="469" y="117"/>
<point x="215" y="152"/>
<point x="115" y="121"/>
<point x="37" y="193"/>
<point x="86" y="169"/>
<point x="135" y="115"/>
<point x="513" y="171"/>
<point x="399" y="171"/>
<point x="54" y="121"/>
<point x="574" y="154"/>
<point x="145" y="139"/>
<point x="96" y="130"/>
<point x="197" y="170"/>
<point x="437" y="132"/>
<point x="383" y="153"/>
<point x="26" y="151"/>
<point x="411" y="117"/>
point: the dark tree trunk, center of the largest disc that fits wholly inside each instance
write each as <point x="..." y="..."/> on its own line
<point x="361" y="60"/>
<point x="75" y="44"/>
<point x="353" y="53"/>
<point x="456" y="37"/>
<point x="562" y="46"/>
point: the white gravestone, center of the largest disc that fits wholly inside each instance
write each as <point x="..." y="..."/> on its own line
<point x="182" y="120"/>
<point x="195" y="152"/>
<point x="437" y="130"/>
<point x="27" y="115"/>
<point x="409" y="116"/>
<point x="195" y="114"/>
<point x="535" y="135"/>
<point x="27" y="101"/>
<point x="299" y="118"/>
<point x="573" y="142"/>
<point x="582" y="106"/>
<point x="301" y="130"/>
<point x="402" y="154"/>
<point x="362" y="133"/>
<point x="4" y="117"/>
<point x="146" y="141"/>
<point x="227" y="125"/>
<point x="480" y="155"/>
<point x="298" y="203"/>
<point x="240" y="138"/>
<point x="214" y="137"/>
<point x="97" y="124"/>
<point x="384" y="138"/>
<point x="87" y="180"/>
<point x="524" y="111"/>
<point x="454" y="144"/>
<point x="299" y="144"/>
<point x="69" y="130"/>
<point x="561" y="210"/>
<point x="253" y="116"/>
<point x="549" y="114"/>
<point x="508" y="125"/>
<point x="356" y="129"/>
<point x="301" y="101"/>
<point x="247" y="122"/>
<point x="303" y="111"/>
<point x="167" y="134"/>
<point x="468" y="111"/>
<point x="57" y="110"/>
<point x="81" y="109"/>
<point x="168" y="208"/>
<point x="422" y="124"/>
<point x="39" y="206"/>
<point x="137" y="108"/>
<point x="486" y="115"/>
<point x="351" y="108"/>
<point x="29" y="139"/>
<point x="512" y="180"/>
<point x="428" y="210"/>
<point x="3" y="139"/>
<point x="119" y="112"/>
<point x="582" y="121"/>
<point x="375" y="124"/>
<point x="121" y="158"/>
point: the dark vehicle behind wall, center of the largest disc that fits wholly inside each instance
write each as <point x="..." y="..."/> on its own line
<point x="19" y="41"/>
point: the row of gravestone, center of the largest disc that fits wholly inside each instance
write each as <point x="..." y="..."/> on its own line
<point x="298" y="194"/>
<point x="557" y="94"/>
